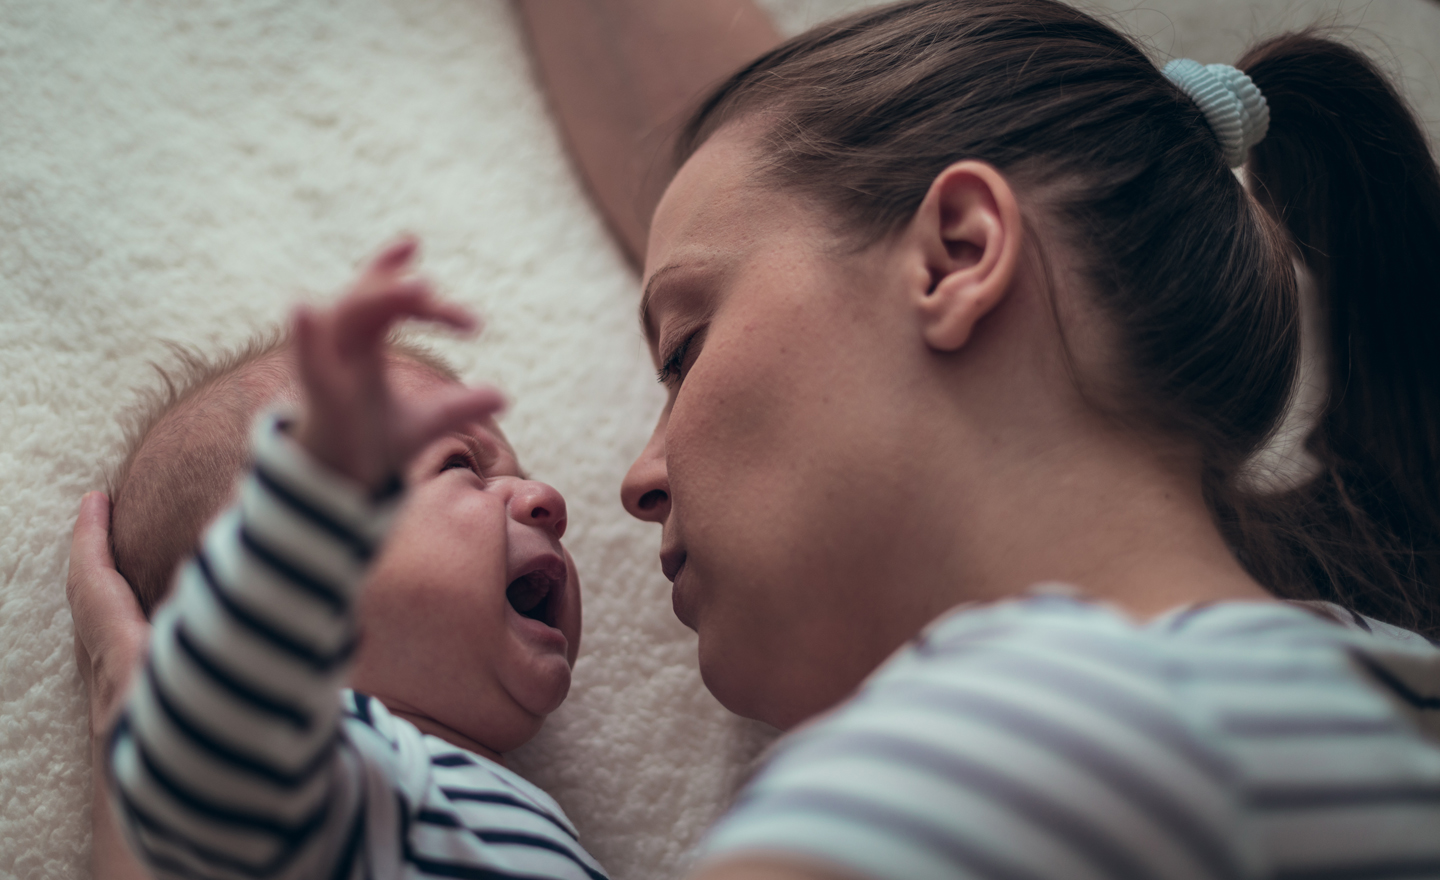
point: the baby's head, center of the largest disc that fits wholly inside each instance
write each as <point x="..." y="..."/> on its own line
<point x="470" y="619"/>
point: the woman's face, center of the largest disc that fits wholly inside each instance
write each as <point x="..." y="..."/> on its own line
<point x="783" y="468"/>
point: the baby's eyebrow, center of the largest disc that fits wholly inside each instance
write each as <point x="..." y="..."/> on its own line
<point x="486" y="451"/>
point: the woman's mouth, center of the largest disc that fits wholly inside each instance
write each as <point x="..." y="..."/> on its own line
<point x="671" y="561"/>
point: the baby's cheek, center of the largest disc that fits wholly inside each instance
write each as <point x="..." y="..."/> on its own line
<point x="453" y="521"/>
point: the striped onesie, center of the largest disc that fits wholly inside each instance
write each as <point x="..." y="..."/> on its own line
<point x="1050" y="738"/>
<point x="239" y="754"/>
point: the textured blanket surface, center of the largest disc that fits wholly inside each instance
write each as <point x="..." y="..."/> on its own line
<point x="184" y="170"/>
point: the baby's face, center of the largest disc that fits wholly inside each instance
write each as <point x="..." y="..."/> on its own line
<point x="471" y="616"/>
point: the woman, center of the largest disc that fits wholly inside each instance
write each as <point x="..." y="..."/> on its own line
<point x="954" y="299"/>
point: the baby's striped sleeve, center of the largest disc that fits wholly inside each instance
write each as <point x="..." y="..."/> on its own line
<point x="228" y="759"/>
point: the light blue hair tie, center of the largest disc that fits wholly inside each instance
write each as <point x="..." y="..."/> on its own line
<point x="1233" y="106"/>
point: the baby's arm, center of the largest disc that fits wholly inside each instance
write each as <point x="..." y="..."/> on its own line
<point x="621" y="74"/>
<point x="227" y="759"/>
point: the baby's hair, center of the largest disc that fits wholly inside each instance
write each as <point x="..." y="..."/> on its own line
<point x="186" y="442"/>
<point x="1192" y="271"/>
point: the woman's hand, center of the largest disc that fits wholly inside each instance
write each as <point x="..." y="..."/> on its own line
<point x="110" y="630"/>
<point x="353" y="423"/>
<point x="110" y="638"/>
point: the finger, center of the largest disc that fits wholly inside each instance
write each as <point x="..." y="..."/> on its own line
<point x="363" y="320"/>
<point x="110" y="628"/>
<point x="90" y="539"/>
<point x="362" y="323"/>
<point x="449" y="314"/>
<point x="89" y="551"/>
<point x="388" y="268"/>
<point x="396" y="255"/>
<point x="451" y="411"/>
<point x="99" y="595"/>
<point x="82" y="661"/>
<point x="312" y="345"/>
<point x="312" y="357"/>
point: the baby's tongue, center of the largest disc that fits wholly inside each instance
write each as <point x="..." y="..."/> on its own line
<point x="527" y="595"/>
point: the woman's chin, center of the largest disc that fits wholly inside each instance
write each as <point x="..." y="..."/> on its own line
<point x="747" y="695"/>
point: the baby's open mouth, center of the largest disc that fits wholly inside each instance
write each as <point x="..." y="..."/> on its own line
<point x="533" y="594"/>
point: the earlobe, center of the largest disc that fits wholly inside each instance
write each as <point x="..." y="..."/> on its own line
<point x="969" y="224"/>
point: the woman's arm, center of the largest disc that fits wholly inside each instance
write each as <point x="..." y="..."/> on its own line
<point x="620" y="74"/>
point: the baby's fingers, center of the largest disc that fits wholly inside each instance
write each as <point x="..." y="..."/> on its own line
<point x="363" y="320"/>
<point x="449" y="411"/>
<point x="394" y="257"/>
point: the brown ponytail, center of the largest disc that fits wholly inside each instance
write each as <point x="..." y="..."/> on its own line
<point x="1195" y="276"/>
<point x="1347" y="170"/>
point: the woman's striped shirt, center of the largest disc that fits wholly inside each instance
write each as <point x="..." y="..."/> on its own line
<point x="239" y="754"/>
<point x="1055" y="738"/>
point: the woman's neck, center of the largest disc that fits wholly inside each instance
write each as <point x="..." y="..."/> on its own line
<point x="1105" y="514"/>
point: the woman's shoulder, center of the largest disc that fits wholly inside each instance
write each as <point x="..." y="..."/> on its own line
<point x="1221" y="641"/>
<point x="1101" y="743"/>
<point x="1204" y="680"/>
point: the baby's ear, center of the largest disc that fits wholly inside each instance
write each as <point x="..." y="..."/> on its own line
<point x="971" y="234"/>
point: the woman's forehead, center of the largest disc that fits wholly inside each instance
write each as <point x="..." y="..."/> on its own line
<point x="712" y="198"/>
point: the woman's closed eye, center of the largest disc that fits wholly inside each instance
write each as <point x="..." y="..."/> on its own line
<point x="677" y="363"/>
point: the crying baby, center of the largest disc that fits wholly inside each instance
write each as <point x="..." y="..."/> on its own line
<point x="341" y="668"/>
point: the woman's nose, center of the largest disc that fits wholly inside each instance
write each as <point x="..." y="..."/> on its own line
<point x="646" y="489"/>
<point x="539" y="504"/>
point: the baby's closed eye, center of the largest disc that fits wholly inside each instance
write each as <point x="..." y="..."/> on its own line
<point x="465" y="460"/>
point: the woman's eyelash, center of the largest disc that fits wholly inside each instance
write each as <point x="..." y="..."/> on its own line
<point x="670" y="370"/>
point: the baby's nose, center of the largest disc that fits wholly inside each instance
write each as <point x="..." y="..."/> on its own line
<point x="539" y="504"/>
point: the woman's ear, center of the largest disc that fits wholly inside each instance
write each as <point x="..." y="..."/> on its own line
<point x="971" y="234"/>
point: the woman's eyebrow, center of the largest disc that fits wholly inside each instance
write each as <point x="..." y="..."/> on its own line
<point x="648" y="296"/>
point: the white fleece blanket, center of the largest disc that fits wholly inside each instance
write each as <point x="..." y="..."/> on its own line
<point x="184" y="170"/>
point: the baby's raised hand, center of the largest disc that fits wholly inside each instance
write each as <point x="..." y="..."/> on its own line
<point x="353" y="423"/>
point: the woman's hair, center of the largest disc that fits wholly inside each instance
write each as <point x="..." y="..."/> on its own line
<point x="1194" y="274"/>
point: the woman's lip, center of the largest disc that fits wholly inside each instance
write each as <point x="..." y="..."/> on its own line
<point x="671" y="561"/>
<point x="680" y="599"/>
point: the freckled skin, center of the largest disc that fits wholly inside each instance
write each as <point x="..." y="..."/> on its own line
<point x="770" y="446"/>
<point x="856" y="440"/>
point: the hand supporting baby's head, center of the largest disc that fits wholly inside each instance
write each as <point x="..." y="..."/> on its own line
<point x="471" y="615"/>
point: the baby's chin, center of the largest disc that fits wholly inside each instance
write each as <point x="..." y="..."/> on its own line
<point x="506" y="730"/>
<point x="540" y="684"/>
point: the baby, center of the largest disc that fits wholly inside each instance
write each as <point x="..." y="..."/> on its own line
<point x="239" y="752"/>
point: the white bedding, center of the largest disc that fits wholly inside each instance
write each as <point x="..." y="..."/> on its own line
<point x="183" y="170"/>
